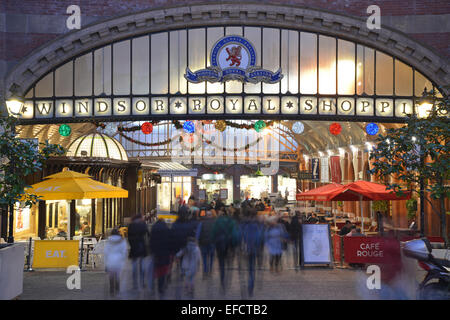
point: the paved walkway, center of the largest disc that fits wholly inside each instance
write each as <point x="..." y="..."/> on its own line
<point x="310" y="283"/>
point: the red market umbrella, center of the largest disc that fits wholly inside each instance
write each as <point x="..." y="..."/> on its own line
<point x="323" y="193"/>
<point x="368" y="191"/>
<point x="355" y="191"/>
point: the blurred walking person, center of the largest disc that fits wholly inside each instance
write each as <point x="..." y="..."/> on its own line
<point x="138" y="237"/>
<point x="295" y="229"/>
<point x="252" y="236"/>
<point x="190" y="264"/>
<point x="115" y="254"/>
<point x="161" y="251"/>
<point x="275" y="236"/>
<point x="222" y="236"/>
<point x="206" y="242"/>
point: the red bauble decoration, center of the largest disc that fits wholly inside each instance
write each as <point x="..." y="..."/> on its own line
<point x="146" y="128"/>
<point x="207" y="121"/>
<point x="335" y="128"/>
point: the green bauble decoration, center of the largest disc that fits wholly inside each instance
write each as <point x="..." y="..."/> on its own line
<point x="260" y="125"/>
<point x="64" y="130"/>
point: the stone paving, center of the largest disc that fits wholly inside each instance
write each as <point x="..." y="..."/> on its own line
<point x="321" y="283"/>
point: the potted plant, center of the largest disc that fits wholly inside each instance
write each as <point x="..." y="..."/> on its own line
<point x="380" y="205"/>
<point x="411" y="207"/>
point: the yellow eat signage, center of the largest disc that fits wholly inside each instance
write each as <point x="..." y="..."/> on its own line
<point x="55" y="253"/>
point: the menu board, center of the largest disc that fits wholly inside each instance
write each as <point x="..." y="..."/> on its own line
<point x="223" y="194"/>
<point x="22" y="218"/>
<point x="202" y="194"/>
<point x="316" y="244"/>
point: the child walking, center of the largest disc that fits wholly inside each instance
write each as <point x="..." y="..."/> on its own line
<point x="190" y="257"/>
<point x="115" y="256"/>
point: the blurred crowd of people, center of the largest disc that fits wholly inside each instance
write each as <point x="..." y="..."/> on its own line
<point x="202" y="234"/>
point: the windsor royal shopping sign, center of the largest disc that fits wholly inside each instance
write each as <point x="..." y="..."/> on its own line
<point x="233" y="58"/>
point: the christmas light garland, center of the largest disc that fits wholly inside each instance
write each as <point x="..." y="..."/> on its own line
<point x="178" y="125"/>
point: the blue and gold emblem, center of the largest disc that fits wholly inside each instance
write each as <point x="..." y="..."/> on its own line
<point x="233" y="58"/>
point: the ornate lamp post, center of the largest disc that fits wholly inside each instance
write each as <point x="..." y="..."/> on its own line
<point x="426" y="104"/>
<point x="14" y="105"/>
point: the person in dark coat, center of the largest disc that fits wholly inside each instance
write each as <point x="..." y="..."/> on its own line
<point x="346" y="228"/>
<point x="252" y="236"/>
<point x="137" y="237"/>
<point x="222" y="235"/>
<point x="205" y="242"/>
<point x="161" y="251"/>
<point x="181" y="229"/>
<point x="295" y="229"/>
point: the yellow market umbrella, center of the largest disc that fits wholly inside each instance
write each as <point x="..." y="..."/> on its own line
<point x="70" y="185"/>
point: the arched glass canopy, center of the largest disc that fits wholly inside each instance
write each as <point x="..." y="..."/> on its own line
<point x="323" y="77"/>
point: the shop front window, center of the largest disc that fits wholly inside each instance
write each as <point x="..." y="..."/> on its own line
<point x="57" y="219"/>
<point x="25" y="221"/>
<point x="213" y="189"/>
<point x="173" y="191"/>
<point x="255" y="187"/>
<point x="287" y="187"/>
<point x="83" y="217"/>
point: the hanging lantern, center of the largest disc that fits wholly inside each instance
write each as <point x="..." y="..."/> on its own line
<point x="298" y="127"/>
<point x="260" y="125"/>
<point x="146" y="128"/>
<point x="258" y="173"/>
<point x="335" y="128"/>
<point x="220" y="125"/>
<point x="372" y="129"/>
<point x="64" y="130"/>
<point x="110" y="129"/>
<point x="189" y="127"/>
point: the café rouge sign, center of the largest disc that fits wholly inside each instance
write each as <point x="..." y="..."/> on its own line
<point x="215" y="105"/>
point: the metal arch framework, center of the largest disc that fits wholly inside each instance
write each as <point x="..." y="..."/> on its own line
<point x="261" y="115"/>
<point x="172" y="17"/>
<point x="290" y="152"/>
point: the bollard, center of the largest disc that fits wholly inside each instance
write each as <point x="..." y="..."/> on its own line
<point x="81" y="254"/>
<point x="29" y="269"/>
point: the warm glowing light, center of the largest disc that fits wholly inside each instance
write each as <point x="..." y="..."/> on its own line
<point x="423" y="110"/>
<point x="330" y="153"/>
<point x="414" y="139"/>
<point x="14" y="106"/>
<point x="320" y="154"/>
<point x="354" y="149"/>
<point x="341" y="152"/>
<point x="346" y="76"/>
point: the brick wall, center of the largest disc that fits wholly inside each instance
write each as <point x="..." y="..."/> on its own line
<point x="28" y="24"/>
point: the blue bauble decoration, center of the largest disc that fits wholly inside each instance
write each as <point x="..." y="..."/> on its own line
<point x="189" y="127"/>
<point x="372" y="129"/>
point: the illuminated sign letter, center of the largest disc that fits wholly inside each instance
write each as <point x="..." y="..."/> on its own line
<point x="139" y="103"/>
<point x="43" y="108"/>
<point x="159" y="103"/>
<point x="84" y="105"/>
<point x="100" y="104"/>
<point x="268" y="105"/>
<point x="215" y="106"/>
<point x="326" y="104"/>
<point x="121" y="107"/>
<point x="252" y="104"/>
<point x="197" y="105"/>
<point x="308" y="103"/>
<point x="234" y="103"/>
<point x="364" y="105"/>
<point x="349" y="104"/>
<point x="384" y="105"/>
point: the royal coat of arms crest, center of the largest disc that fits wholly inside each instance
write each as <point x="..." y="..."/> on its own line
<point x="233" y="58"/>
